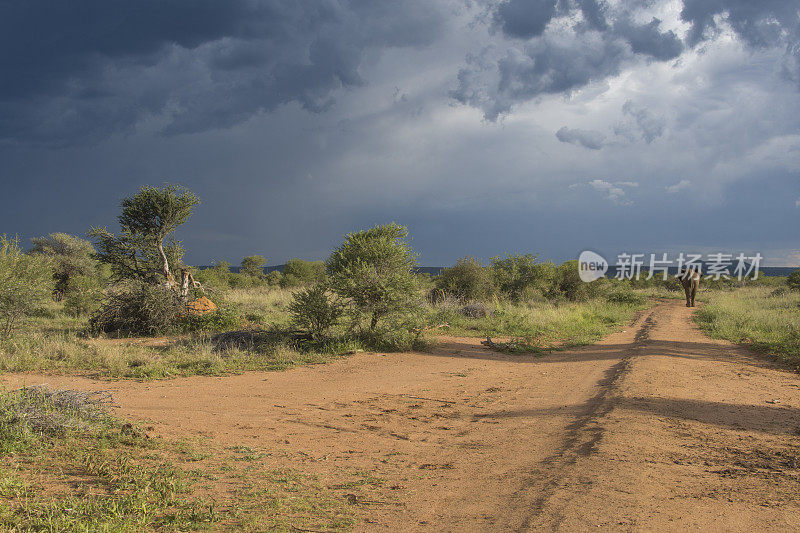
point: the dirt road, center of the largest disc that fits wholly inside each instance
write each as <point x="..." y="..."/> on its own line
<point x="655" y="428"/>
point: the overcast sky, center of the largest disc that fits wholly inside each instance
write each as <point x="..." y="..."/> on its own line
<point x="484" y="126"/>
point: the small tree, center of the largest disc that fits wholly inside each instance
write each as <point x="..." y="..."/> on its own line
<point x="69" y="256"/>
<point x="374" y="269"/>
<point x="253" y="265"/>
<point x="468" y="279"/>
<point x="793" y="280"/>
<point x="146" y="249"/>
<point x="312" y="309"/>
<point x="25" y="283"/>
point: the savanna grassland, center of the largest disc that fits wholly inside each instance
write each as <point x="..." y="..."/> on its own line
<point x="119" y="309"/>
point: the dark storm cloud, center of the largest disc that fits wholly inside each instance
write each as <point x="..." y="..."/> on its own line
<point x="525" y="18"/>
<point x="760" y="24"/>
<point x="649" y="40"/>
<point x="592" y="43"/>
<point x="82" y="70"/>
<point x="586" y="138"/>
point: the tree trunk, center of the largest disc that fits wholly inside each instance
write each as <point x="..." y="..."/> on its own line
<point x="374" y="321"/>
<point x="187" y="282"/>
<point x="170" y="279"/>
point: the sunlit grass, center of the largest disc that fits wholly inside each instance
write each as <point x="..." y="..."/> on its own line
<point x="765" y="318"/>
<point x="544" y="323"/>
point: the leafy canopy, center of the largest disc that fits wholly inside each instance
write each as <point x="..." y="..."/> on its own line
<point x="253" y="265"/>
<point x="69" y="256"/>
<point x="374" y="270"/>
<point x="148" y="219"/>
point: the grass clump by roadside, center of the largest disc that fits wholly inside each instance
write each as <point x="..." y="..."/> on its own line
<point x="541" y="324"/>
<point x="67" y="465"/>
<point x="202" y="354"/>
<point x="763" y="317"/>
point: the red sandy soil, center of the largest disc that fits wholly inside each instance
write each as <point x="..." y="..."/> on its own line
<point x="654" y="428"/>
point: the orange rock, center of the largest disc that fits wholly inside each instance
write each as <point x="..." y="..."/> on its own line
<point x="200" y="306"/>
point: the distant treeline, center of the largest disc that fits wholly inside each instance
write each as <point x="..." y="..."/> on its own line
<point x="612" y="270"/>
<point x="433" y="271"/>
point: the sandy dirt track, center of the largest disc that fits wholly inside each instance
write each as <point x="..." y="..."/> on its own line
<point x="655" y="428"/>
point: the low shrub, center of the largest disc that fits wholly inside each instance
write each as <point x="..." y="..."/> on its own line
<point x="313" y="309"/>
<point x="779" y="292"/>
<point x="299" y="273"/>
<point x="274" y="278"/>
<point x="567" y="283"/>
<point x="220" y="320"/>
<point x="31" y="411"/>
<point x="138" y="308"/>
<point x="85" y="295"/>
<point x="468" y="279"/>
<point x="625" y="296"/>
<point x="476" y="310"/>
<point x="793" y="280"/>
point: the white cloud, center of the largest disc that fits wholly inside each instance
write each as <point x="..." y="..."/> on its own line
<point x="613" y="191"/>
<point x="678" y="187"/>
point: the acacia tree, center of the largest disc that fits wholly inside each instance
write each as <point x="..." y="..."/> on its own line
<point x="69" y="256"/>
<point x="146" y="248"/>
<point x="374" y="269"/>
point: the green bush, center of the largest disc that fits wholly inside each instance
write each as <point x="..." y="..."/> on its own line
<point x="793" y="280"/>
<point x="216" y="277"/>
<point x="373" y="270"/>
<point x="220" y="320"/>
<point x="70" y="257"/>
<point x="520" y="277"/>
<point x="84" y="296"/>
<point x="26" y="282"/>
<point x="568" y="284"/>
<point x="274" y="278"/>
<point x="314" y="310"/>
<point x="297" y="273"/>
<point x="467" y="280"/>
